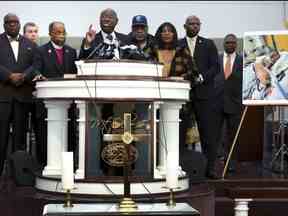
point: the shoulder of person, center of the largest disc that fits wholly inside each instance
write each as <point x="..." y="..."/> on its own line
<point x="202" y="39"/>
<point x="68" y="47"/>
<point x="3" y="36"/>
<point x="118" y="34"/>
<point x="239" y="55"/>
<point x="47" y="47"/>
<point x="26" y="41"/>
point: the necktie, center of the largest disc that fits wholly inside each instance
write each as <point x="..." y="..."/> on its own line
<point x="227" y="68"/>
<point x="109" y="37"/>
<point x="59" y="55"/>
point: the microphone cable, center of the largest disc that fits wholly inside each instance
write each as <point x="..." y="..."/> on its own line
<point x="162" y="128"/>
<point x="95" y="109"/>
<point x="162" y="145"/>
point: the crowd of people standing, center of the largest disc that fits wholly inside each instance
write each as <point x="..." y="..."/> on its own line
<point x="215" y="95"/>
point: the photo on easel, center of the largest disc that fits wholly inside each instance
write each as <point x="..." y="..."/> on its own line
<point x="265" y="68"/>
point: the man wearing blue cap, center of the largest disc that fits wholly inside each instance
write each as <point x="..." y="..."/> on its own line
<point x="139" y="35"/>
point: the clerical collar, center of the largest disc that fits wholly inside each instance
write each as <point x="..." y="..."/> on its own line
<point x="56" y="46"/>
<point x="13" y="38"/>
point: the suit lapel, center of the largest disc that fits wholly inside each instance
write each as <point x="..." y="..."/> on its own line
<point x="197" y="48"/>
<point x="22" y="48"/>
<point x="184" y="45"/>
<point x="234" y="68"/>
<point x="53" y="57"/>
<point x="99" y="38"/>
<point x="66" y="59"/>
<point x="221" y="59"/>
<point x="10" y="50"/>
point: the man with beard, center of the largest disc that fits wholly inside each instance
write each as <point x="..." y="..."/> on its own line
<point x="16" y="74"/>
<point x="108" y="22"/>
<point x="54" y="59"/>
<point x="205" y="55"/>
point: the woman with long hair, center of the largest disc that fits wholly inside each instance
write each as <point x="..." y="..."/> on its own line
<point x="165" y="46"/>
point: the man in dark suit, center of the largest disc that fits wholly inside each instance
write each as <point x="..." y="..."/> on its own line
<point x="205" y="55"/>
<point x="228" y="101"/>
<point x="108" y="22"/>
<point x="91" y="42"/>
<point x="16" y="87"/>
<point x="53" y="60"/>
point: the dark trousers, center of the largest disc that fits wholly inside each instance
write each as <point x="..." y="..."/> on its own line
<point x="231" y="120"/>
<point x="39" y="125"/>
<point x="13" y="112"/>
<point x="205" y="117"/>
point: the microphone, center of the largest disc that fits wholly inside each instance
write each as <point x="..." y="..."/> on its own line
<point x="116" y="49"/>
<point x="96" y="48"/>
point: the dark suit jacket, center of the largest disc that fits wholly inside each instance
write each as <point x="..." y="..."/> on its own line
<point x="206" y="59"/>
<point x="230" y="91"/>
<point x="9" y="65"/>
<point x="123" y="39"/>
<point x="45" y="61"/>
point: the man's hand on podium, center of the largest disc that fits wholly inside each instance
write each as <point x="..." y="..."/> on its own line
<point x="39" y="77"/>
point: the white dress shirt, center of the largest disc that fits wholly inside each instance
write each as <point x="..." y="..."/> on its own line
<point x="191" y="43"/>
<point x="107" y="41"/>
<point x="15" y="46"/>
<point x="114" y="41"/>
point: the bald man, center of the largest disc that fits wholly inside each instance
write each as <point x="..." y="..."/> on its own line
<point x="108" y="22"/>
<point x="53" y="60"/>
<point x="205" y="54"/>
<point x="16" y="70"/>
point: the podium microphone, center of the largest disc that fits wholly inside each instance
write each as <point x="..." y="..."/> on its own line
<point x="93" y="51"/>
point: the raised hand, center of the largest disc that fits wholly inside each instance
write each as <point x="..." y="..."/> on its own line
<point x="90" y="36"/>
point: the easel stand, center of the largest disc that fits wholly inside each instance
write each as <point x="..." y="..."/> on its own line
<point x="234" y="142"/>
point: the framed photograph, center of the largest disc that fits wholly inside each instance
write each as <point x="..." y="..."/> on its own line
<point x="265" y="68"/>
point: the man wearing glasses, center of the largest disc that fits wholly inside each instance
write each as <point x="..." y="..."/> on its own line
<point x="53" y="60"/>
<point x="17" y="53"/>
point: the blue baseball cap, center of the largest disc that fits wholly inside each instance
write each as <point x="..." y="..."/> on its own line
<point x="139" y="20"/>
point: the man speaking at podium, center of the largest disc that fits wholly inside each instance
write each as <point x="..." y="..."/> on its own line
<point x="108" y="22"/>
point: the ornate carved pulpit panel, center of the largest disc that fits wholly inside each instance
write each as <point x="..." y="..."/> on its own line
<point x="106" y="130"/>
